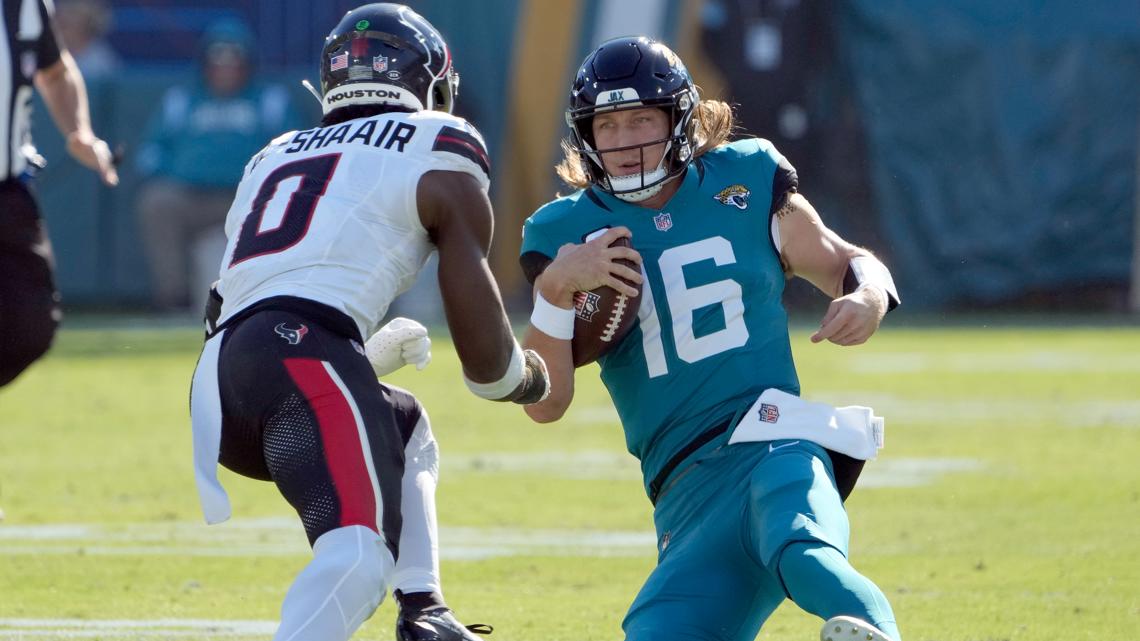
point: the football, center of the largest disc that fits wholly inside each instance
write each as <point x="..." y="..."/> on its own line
<point x="602" y="317"/>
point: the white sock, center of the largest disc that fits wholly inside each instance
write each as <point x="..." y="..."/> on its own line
<point x="339" y="589"/>
<point x="417" y="569"/>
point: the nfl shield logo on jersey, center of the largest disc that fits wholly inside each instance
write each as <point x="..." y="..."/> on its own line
<point x="663" y="221"/>
<point x="769" y="413"/>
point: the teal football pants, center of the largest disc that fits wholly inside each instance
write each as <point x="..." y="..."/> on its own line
<point x="739" y="531"/>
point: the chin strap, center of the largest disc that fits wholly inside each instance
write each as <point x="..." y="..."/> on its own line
<point x="656" y="179"/>
<point x="640" y="194"/>
<point x="625" y="187"/>
<point x="647" y="193"/>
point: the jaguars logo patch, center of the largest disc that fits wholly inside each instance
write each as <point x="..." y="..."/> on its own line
<point x="734" y="195"/>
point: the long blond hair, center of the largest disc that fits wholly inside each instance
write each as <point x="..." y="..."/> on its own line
<point x="712" y="125"/>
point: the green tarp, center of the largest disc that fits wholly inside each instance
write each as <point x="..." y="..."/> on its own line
<point x="1003" y="141"/>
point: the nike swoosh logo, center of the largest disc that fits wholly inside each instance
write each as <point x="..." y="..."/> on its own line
<point x="773" y="448"/>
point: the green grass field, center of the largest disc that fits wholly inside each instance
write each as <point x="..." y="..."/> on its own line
<point x="1006" y="506"/>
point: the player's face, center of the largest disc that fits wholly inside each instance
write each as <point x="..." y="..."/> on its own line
<point x="226" y="70"/>
<point x="628" y="129"/>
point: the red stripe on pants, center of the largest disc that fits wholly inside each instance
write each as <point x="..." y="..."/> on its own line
<point x="344" y="454"/>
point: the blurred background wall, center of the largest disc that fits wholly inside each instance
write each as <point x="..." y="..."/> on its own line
<point x="987" y="150"/>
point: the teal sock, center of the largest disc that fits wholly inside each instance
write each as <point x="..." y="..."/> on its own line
<point x="821" y="581"/>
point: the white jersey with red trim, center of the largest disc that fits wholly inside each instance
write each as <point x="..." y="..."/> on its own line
<point x="329" y="214"/>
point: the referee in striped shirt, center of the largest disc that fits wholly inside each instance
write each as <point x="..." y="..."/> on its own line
<point x="31" y="54"/>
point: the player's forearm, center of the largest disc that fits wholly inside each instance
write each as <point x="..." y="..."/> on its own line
<point x="560" y="366"/>
<point x="483" y="341"/>
<point x="555" y="287"/>
<point x="476" y="318"/>
<point x="839" y="266"/>
<point x="65" y="94"/>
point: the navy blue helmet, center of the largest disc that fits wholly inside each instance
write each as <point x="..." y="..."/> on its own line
<point x="387" y="54"/>
<point x="633" y="73"/>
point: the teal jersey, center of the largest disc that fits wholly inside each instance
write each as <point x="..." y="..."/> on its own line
<point x="712" y="332"/>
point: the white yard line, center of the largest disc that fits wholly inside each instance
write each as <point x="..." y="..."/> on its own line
<point x="914" y="472"/>
<point x="1071" y="412"/>
<point x="587" y="464"/>
<point x="1000" y="412"/>
<point x="282" y="537"/>
<point x="17" y="629"/>
<point x="973" y="362"/>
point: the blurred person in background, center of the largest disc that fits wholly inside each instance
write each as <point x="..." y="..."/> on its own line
<point x="83" y="26"/>
<point x="747" y="480"/>
<point x="195" y="149"/>
<point x="32" y="54"/>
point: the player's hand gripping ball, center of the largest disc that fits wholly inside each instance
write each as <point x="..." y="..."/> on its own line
<point x="603" y="316"/>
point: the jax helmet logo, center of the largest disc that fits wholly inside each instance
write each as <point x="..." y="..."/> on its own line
<point x="586" y="305"/>
<point x="623" y="94"/>
<point x="291" y="336"/>
<point x="734" y="195"/>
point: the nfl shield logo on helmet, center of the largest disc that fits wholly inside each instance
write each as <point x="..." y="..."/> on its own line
<point x="380" y="64"/>
<point x="28" y="64"/>
<point x="663" y="221"/>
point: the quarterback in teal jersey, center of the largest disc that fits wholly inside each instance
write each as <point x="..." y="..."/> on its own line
<point x="717" y="228"/>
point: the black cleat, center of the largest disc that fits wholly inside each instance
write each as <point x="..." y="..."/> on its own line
<point x="436" y="624"/>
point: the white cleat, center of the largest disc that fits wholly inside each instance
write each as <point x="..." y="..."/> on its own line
<point x="845" y="628"/>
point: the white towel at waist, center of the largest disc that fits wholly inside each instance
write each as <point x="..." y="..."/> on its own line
<point x="854" y="430"/>
<point x="206" y="425"/>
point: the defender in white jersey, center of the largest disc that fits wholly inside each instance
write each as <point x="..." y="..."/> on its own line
<point x="366" y="171"/>
<point x="328" y="226"/>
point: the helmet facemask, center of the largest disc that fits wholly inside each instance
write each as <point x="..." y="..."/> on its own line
<point x="444" y="89"/>
<point x="644" y="184"/>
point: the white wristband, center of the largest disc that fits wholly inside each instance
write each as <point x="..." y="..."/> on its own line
<point x="501" y="388"/>
<point x="870" y="272"/>
<point x="552" y="320"/>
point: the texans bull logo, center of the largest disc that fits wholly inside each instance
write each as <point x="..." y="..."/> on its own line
<point x="291" y="336"/>
<point x="734" y="195"/>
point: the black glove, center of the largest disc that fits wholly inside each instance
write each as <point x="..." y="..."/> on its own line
<point x="535" y="385"/>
